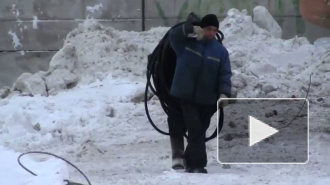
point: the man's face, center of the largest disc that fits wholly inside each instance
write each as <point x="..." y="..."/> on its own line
<point x="210" y="32"/>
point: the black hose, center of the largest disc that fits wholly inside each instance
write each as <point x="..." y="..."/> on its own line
<point x="47" y="153"/>
<point x="148" y="115"/>
<point x="160" y="68"/>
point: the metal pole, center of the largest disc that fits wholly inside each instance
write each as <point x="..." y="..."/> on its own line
<point x="143" y="16"/>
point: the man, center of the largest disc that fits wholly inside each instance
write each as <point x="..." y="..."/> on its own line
<point x="202" y="76"/>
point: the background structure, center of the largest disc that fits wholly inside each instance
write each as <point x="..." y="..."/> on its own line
<point x="33" y="30"/>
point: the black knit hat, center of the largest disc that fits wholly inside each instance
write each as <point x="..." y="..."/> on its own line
<point x="210" y="20"/>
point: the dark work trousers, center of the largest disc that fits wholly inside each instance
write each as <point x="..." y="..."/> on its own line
<point x="195" y="118"/>
<point x="175" y="119"/>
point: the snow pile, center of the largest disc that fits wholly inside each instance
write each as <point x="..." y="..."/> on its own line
<point x="69" y="117"/>
<point x="28" y="83"/>
<point x="263" y="64"/>
<point x="52" y="171"/>
<point x="265" y="20"/>
<point x="322" y="43"/>
<point x="89" y="53"/>
<point x="267" y="66"/>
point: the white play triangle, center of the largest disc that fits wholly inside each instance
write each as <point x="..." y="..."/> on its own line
<point x="259" y="130"/>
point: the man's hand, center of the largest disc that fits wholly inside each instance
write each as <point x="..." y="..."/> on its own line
<point x="199" y="32"/>
<point x="223" y="103"/>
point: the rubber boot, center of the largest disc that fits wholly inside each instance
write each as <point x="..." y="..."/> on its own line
<point x="177" y="146"/>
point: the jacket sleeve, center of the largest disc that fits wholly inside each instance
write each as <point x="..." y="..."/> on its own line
<point x="224" y="75"/>
<point x="178" y="36"/>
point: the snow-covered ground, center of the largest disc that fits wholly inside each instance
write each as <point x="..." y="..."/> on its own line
<point x="88" y="108"/>
<point x="51" y="171"/>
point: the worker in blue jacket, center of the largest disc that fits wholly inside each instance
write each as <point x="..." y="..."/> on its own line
<point x="202" y="77"/>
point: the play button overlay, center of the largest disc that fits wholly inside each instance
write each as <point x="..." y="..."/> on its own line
<point x="259" y="131"/>
<point x="264" y="131"/>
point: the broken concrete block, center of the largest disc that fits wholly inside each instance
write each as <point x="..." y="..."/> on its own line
<point x="4" y="92"/>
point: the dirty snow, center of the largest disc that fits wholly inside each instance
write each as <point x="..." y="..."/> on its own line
<point x="88" y="114"/>
<point x="28" y="83"/>
<point x="52" y="171"/>
<point x="322" y="43"/>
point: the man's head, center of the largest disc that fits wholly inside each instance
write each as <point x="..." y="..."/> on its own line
<point x="210" y="24"/>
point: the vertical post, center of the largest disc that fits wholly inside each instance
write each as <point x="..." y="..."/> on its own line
<point x="143" y="15"/>
<point x="84" y="8"/>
